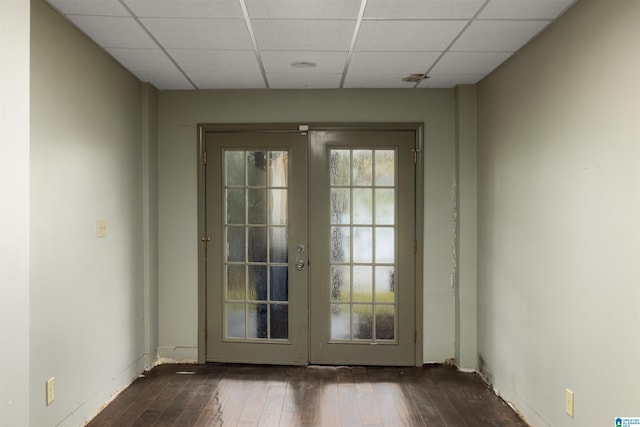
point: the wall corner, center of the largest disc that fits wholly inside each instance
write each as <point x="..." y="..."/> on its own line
<point x="149" y="142"/>
<point x="466" y="218"/>
<point x="15" y="308"/>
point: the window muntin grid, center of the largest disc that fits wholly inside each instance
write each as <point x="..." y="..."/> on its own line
<point x="363" y="241"/>
<point x="256" y="288"/>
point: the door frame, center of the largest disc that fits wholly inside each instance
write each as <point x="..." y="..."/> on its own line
<point x="417" y="128"/>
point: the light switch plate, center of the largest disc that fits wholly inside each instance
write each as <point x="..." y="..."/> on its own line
<point x="50" y="391"/>
<point x="101" y="228"/>
<point x="568" y="402"/>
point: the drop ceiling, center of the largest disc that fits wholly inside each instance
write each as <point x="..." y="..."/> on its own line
<point x="317" y="44"/>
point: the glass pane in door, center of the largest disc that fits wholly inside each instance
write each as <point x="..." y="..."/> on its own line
<point x="256" y="306"/>
<point x="363" y="258"/>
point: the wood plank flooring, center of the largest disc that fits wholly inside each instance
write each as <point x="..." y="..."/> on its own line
<point x="248" y="395"/>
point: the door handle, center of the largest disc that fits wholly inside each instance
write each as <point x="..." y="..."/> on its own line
<point x="300" y="265"/>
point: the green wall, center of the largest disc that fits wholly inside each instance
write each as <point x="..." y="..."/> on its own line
<point x="559" y="219"/>
<point x="86" y="294"/>
<point x="181" y="111"/>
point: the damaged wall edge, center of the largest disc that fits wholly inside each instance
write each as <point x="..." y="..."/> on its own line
<point x="105" y="395"/>
<point x="173" y="354"/>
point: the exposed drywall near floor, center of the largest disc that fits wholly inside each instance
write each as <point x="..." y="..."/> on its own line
<point x="87" y="293"/>
<point x="14" y="213"/>
<point x="181" y="111"/>
<point x="559" y="219"/>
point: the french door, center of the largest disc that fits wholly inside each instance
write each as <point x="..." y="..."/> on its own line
<point x="309" y="245"/>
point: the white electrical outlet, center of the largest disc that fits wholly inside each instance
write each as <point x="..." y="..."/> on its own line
<point x="101" y="228"/>
<point x="568" y="402"/>
<point x="50" y="391"/>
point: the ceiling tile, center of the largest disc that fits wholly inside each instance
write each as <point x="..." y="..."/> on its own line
<point x="407" y="35"/>
<point x="525" y="9"/>
<point x="301" y="80"/>
<point x="422" y="9"/>
<point x="303" y="9"/>
<point x="185" y="33"/>
<point x="449" y="80"/>
<point x="497" y="36"/>
<point x="280" y="61"/>
<point x="112" y="31"/>
<point x="375" y="80"/>
<point x="186" y="8"/>
<point x="469" y="62"/>
<point x="216" y="61"/>
<point x="90" y="7"/>
<point x="165" y="79"/>
<point x="396" y="63"/>
<point x="153" y="66"/>
<point x="209" y="80"/>
<point x="141" y="59"/>
<point x="327" y="35"/>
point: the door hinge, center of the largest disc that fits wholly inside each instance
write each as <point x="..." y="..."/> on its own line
<point x="415" y="246"/>
<point x="415" y="156"/>
<point x="205" y="240"/>
<point x="204" y="157"/>
<point x="415" y="336"/>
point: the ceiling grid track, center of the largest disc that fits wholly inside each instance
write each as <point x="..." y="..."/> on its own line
<point x="251" y="44"/>
<point x="146" y="30"/>
<point x="352" y="46"/>
<point x="443" y="53"/>
<point x="247" y="20"/>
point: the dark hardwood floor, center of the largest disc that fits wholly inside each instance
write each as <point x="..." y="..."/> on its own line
<point x="230" y="395"/>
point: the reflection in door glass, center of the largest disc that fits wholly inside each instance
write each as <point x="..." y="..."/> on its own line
<point x="257" y="209"/>
<point x="362" y="205"/>
<point x="361" y="167"/>
<point x="278" y="245"/>
<point x="340" y="244"/>
<point x="363" y="211"/>
<point x="340" y="205"/>
<point x="340" y="283"/>
<point x="236" y="282"/>
<point x="340" y="168"/>
<point x="279" y="281"/>
<point x="256" y="168"/>
<point x="362" y="244"/>
<point x="362" y="283"/>
<point x="235" y="162"/>
<point x="256" y="212"/>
